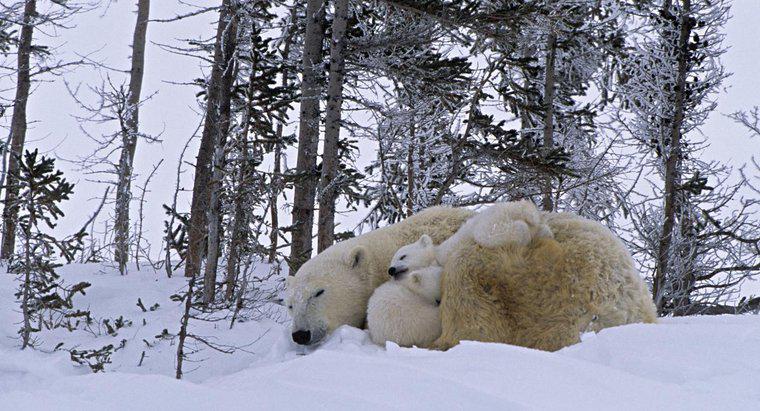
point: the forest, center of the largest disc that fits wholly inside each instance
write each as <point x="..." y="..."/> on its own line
<point x="320" y="120"/>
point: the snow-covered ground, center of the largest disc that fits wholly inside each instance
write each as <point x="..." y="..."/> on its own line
<point x="690" y="363"/>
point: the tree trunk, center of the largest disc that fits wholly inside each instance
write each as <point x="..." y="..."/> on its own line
<point x="672" y="160"/>
<point x="410" y="168"/>
<point x="276" y="188"/>
<point x="129" y="138"/>
<point x="215" y="124"/>
<point x="308" y="137"/>
<point x="549" y="83"/>
<point x="18" y="130"/>
<point x="213" y="217"/>
<point x="26" y="331"/>
<point x="237" y="238"/>
<point x="410" y="177"/>
<point x="683" y="286"/>
<point x="213" y="214"/>
<point x="330" y="160"/>
<point x="274" y="195"/>
<point x="183" y="327"/>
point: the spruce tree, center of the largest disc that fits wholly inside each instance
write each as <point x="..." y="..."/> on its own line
<point x="45" y="301"/>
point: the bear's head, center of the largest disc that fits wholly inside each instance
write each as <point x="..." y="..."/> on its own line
<point x="330" y="290"/>
<point x="414" y="256"/>
<point x="425" y="282"/>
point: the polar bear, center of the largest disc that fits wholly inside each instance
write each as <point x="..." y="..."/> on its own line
<point x="543" y="295"/>
<point x="412" y="318"/>
<point x="405" y="309"/>
<point x="518" y="223"/>
<point x="333" y="288"/>
<point x="538" y="295"/>
<point x="415" y="256"/>
<point x="426" y="282"/>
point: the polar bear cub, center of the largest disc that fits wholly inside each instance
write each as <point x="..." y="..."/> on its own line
<point x="405" y="309"/>
<point x="516" y="222"/>
<point x="415" y="266"/>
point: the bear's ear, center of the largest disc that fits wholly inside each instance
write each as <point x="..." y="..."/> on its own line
<point x="289" y="281"/>
<point x="357" y="257"/>
<point x="426" y="241"/>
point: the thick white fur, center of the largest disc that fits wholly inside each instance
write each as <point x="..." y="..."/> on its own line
<point x="395" y="314"/>
<point x="405" y="310"/>
<point x="500" y="224"/>
<point x="538" y="296"/>
<point x="425" y="282"/>
<point x="351" y="270"/>
<point x="414" y="256"/>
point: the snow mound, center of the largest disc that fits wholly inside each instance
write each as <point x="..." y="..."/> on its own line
<point x="696" y="363"/>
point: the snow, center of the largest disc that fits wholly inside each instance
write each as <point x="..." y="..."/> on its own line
<point x="695" y="363"/>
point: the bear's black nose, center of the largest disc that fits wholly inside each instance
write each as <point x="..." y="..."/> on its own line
<point x="302" y="337"/>
<point x="397" y="273"/>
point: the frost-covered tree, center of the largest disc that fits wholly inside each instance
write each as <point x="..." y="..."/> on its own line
<point x="527" y="127"/>
<point x="216" y="126"/>
<point x="413" y="160"/>
<point x="415" y="137"/>
<point x="422" y="88"/>
<point x="305" y="186"/>
<point x="130" y="134"/>
<point x="700" y="251"/>
<point x="117" y="104"/>
<point x="249" y="190"/>
<point x="251" y="90"/>
<point x="551" y="71"/>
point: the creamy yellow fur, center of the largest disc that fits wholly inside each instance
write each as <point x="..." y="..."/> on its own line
<point x="542" y="294"/>
<point x="516" y="222"/>
<point x="351" y="270"/>
<point x="545" y="294"/>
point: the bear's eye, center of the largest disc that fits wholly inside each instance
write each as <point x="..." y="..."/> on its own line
<point x="320" y="292"/>
<point x="290" y="307"/>
<point x="402" y="257"/>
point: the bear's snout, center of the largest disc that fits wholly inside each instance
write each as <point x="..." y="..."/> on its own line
<point x="302" y="337"/>
<point x="395" y="272"/>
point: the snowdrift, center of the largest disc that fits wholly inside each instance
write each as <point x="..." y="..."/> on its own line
<point x="687" y="363"/>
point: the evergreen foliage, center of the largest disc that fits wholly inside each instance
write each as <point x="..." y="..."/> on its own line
<point x="46" y="302"/>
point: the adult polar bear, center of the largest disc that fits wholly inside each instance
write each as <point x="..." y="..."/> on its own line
<point x="333" y="288"/>
<point x="541" y="295"/>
